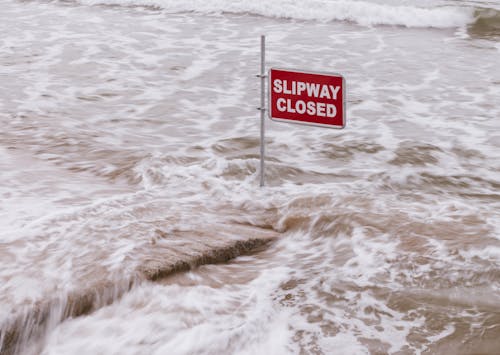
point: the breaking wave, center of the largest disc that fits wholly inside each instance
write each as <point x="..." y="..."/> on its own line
<point x="360" y="12"/>
<point x="486" y="23"/>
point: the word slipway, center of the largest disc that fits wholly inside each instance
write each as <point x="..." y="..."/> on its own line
<point x="312" y="89"/>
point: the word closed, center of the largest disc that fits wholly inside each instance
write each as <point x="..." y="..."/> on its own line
<point x="307" y="97"/>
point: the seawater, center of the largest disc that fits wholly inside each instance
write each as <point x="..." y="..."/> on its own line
<point x="120" y="118"/>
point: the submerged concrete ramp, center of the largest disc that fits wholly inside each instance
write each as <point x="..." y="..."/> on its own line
<point x="162" y="255"/>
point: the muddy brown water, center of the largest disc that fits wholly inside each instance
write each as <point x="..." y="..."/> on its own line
<point x="125" y="125"/>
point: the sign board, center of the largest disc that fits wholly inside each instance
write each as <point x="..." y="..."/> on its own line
<point x="312" y="98"/>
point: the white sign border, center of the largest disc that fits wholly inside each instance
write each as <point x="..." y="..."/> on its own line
<point x="284" y="120"/>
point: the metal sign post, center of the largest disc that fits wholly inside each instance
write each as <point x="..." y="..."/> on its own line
<point x="262" y="107"/>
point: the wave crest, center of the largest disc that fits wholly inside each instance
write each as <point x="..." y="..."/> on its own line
<point x="361" y="12"/>
<point x="486" y="24"/>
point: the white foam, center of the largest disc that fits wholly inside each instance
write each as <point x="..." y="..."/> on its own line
<point x="491" y="253"/>
<point x="193" y="319"/>
<point x="361" y="12"/>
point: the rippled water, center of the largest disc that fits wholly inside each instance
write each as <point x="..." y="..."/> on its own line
<point x="123" y="123"/>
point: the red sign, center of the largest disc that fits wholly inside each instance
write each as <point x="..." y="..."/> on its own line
<point x="305" y="97"/>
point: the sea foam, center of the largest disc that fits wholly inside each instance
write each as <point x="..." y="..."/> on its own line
<point x="360" y="12"/>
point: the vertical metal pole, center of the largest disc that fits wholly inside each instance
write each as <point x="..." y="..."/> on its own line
<point x="262" y="105"/>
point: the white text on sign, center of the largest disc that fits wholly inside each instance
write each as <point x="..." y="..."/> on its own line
<point x="301" y="107"/>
